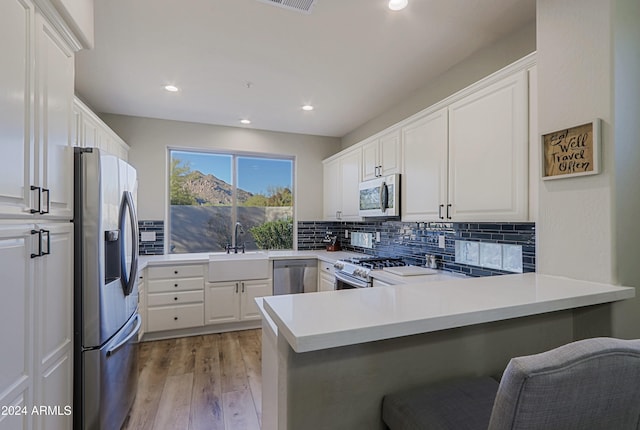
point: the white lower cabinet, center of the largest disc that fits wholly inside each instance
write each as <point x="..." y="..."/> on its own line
<point x="16" y="324"/>
<point x="142" y="302"/>
<point x="326" y="277"/>
<point x="234" y="301"/>
<point x="54" y="301"/>
<point x="36" y="322"/>
<point x="175" y="297"/>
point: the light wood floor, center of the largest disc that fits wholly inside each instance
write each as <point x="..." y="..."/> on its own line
<point x="210" y="382"/>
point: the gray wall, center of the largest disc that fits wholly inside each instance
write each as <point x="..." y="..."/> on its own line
<point x="475" y="67"/>
<point x="588" y="67"/>
<point x="150" y="138"/>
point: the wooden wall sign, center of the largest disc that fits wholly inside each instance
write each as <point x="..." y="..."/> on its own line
<point x="571" y="152"/>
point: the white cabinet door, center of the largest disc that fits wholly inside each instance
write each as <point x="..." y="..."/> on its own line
<point x="221" y="302"/>
<point x="56" y="391"/>
<point x="488" y="160"/>
<point x="341" y="179"/>
<point x="332" y="195"/>
<point x="16" y="107"/>
<point x="54" y="113"/>
<point x="142" y="302"/>
<point x="389" y="159"/>
<point x="90" y="133"/>
<point x="16" y="321"/>
<point x="327" y="282"/>
<point x="424" y="170"/>
<point x="381" y="156"/>
<point x="349" y="181"/>
<point x="54" y="292"/>
<point x="370" y="159"/>
<point x="249" y="291"/>
<point x="53" y="289"/>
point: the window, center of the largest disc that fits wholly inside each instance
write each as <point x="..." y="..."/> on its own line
<point x="209" y="193"/>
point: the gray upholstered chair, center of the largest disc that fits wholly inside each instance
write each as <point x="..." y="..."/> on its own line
<point x="588" y="384"/>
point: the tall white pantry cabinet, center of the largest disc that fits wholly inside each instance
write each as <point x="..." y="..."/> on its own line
<point x="36" y="209"/>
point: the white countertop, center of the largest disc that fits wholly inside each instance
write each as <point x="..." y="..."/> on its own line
<point x="203" y="257"/>
<point x="324" y="320"/>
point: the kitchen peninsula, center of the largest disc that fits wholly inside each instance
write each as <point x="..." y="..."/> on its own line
<point x="329" y="358"/>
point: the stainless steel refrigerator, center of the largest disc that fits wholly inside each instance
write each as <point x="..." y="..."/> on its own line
<point x="106" y="318"/>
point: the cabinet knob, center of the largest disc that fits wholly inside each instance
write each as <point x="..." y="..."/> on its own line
<point x="175" y="318"/>
<point x="175" y="298"/>
<point x="175" y="285"/>
<point x="175" y="271"/>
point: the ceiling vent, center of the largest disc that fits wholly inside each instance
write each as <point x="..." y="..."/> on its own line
<point x="303" y="6"/>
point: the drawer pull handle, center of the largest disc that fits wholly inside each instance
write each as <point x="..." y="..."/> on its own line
<point x="175" y="318"/>
<point x="175" y="298"/>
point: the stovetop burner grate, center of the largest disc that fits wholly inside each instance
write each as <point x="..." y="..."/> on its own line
<point x="377" y="262"/>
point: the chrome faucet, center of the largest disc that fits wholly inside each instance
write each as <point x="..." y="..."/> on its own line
<point x="237" y="230"/>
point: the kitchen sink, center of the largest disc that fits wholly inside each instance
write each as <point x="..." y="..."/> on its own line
<point x="238" y="267"/>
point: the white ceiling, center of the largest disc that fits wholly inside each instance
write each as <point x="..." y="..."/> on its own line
<point x="352" y="59"/>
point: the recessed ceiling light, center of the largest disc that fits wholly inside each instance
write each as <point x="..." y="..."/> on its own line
<point x="171" y="88"/>
<point x="307" y="107"/>
<point x="398" y="4"/>
<point x="245" y="121"/>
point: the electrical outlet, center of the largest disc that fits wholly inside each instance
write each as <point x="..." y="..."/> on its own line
<point x="441" y="241"/>
<point x="346" y="234"/>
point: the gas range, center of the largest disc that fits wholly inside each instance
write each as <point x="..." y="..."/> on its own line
<point x="355" y="272"/>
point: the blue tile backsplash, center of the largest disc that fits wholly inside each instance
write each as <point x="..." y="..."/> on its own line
<point x="408" y="240"/>
<point x="151" y="248"/>
<point x="412" y="240"/>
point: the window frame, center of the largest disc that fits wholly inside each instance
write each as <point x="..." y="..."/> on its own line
<point x="234" y="167"/>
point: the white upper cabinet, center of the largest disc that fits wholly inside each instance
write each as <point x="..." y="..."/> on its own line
<point x="488" y="153"/>
<point x="341" y="179"/>
<point x="54" y="102"/>
<point x="381" y="156"/>
<point x="466" y="158"/>
<point x="350" y="173"/>
<point x="91" y="131"/>
<point x="331" y="179"/>
<point x="424" y="168"/>
<point x="468" y="161"/>
<point x="16" y="107"/>
<point x="35" y="116"/>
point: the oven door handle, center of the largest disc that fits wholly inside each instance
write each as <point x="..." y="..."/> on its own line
<point x="351" y="281"/>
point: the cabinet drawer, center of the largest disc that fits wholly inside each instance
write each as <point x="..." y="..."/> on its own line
<point x="164" y="299"/>
<point x="175" y="317"/>
<point x="177" y="271"/>
<point x="178" y="284"/>
<point x="326" y="267"/>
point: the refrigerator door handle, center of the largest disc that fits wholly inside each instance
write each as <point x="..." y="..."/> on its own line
<point x="129" y="274"/>
<point x="134" y="332"/>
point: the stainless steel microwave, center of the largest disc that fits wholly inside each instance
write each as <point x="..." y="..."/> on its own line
<point x="380" y="197"/>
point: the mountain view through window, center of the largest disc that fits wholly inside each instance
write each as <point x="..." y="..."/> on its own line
<point x="211" y="192"/>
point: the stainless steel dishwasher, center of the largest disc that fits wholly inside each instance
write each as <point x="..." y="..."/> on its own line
<point x="295" y="276"/>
